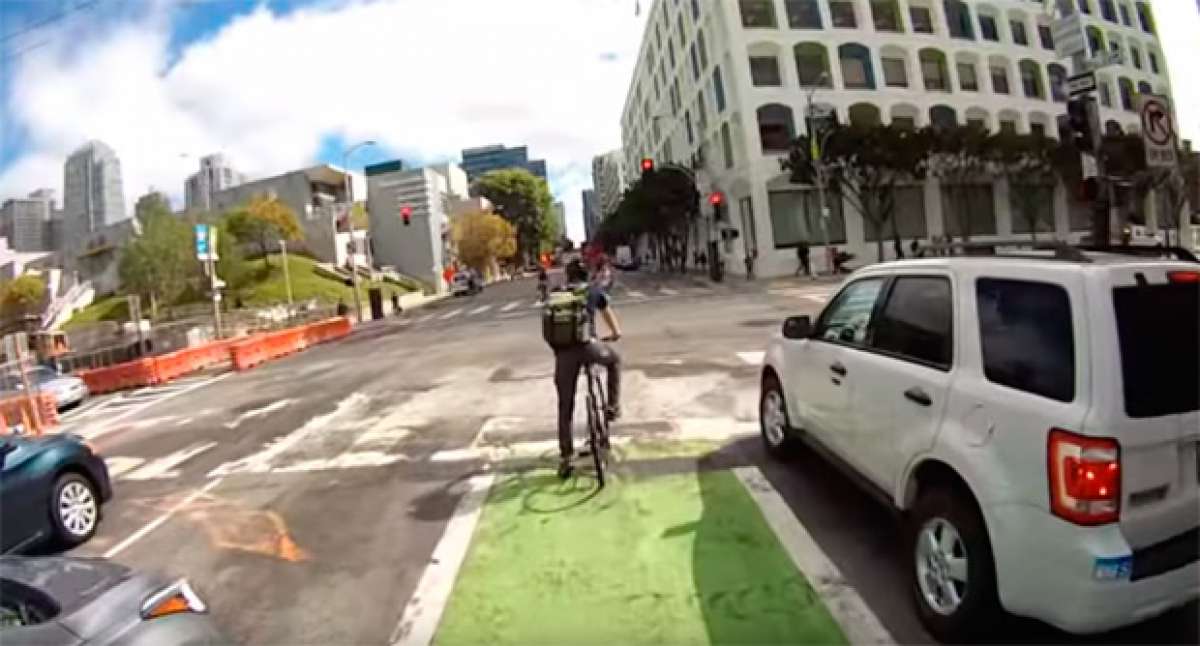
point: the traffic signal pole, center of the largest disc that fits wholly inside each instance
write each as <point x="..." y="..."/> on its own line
<point x="1105" y="197"/>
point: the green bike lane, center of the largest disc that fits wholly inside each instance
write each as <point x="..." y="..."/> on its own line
<point x="682" y="546"/>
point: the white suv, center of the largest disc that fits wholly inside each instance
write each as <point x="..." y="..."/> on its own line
<point x="1033" y="417"/>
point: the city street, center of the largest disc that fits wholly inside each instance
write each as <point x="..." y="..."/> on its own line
<point x="306" y="497"/>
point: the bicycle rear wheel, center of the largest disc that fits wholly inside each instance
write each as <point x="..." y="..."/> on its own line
<point x="597" y="426"/>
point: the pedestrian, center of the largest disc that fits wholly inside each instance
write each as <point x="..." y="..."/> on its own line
<point x="342" y="308"/>
<point x="897" y="247"/>
<point x="915" y="248"/>
<point x="802" y="255"/>
<point x="703" y="260"/>
<point x="396" y="309"/>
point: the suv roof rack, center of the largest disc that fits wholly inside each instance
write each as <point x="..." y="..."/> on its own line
<point x="1179" y="253"/>
<point x="1062" y="250"/>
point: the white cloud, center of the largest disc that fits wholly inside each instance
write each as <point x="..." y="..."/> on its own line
<point x="424" y="78"/>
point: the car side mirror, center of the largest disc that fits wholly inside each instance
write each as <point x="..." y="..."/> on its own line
<point x="797" y="327"/>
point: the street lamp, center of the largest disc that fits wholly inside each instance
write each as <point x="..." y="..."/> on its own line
<point x="817" y="153"/>
<point x="333" y="218"/>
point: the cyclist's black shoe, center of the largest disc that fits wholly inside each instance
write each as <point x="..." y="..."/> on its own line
<point x="565" y="468"/>
<point x="612" y="413"/>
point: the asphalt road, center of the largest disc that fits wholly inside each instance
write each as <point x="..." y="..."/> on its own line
<point x="304" y="497"/>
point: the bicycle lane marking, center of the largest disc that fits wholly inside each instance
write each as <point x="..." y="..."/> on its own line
<point x="852" y="614"/>
<point x="423" y="612"/>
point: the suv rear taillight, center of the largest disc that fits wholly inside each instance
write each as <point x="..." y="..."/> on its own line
<point x="1085" y="478"/>
<point x="1183" y="276"/>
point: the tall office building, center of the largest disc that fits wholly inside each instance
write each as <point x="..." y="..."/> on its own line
<point x="215" y="174"/>
<point x="93" y="194"/>
<point x="25" y="222"/>
<point x="591" y="220"/>
<point x="560" y="217"/>
<point x="608" y="179"/>
<point x="477" y="161"/>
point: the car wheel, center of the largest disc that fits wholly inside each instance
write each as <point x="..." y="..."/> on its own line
<point x="953" y="575"/>
<point x="773" y="421"/>
<point x="74" y="509"/>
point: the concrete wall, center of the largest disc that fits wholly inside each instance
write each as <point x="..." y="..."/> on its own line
<point x="416" y="250"/>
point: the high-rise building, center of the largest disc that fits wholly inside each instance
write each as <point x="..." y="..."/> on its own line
<point x="477" y="161"/>
<point x="215" y="174"/>
<point x="93" y="194"/>
<point x="608" y="179"/>
<point x="560" y="218"/>
<point x="25" y="222"/>
<point x="722" y="89"/>
<point x="591" y="220"/>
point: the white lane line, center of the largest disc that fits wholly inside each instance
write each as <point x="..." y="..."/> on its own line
<point x="858" y="623"/>
<point x="119" y="465"/>
<point x="511" y="306"/>
<point x="87" y="409"/>
<point x="157" y="522"/>
<point x="817" y="298"/>
<point x="667" y="291"/>
<point x="259" y="412"/>
<point x="424" y="318"/>
<point x="164" y="467"/>
<point x="535" y="304"/>
<point x="479" y="310"/>
<point x="752" y="358"/>
<point x="424" y="609"/>
<point x="106" y="426"/>
<point x="633" y="293"/>
<point x="451" y="314"/>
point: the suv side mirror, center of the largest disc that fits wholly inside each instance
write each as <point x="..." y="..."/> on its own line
<point x="797" y="327"/>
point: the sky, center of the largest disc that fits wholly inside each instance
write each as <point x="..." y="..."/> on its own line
<point x="276" y="85"/>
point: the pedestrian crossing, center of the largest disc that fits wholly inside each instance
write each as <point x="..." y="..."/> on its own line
<point x="97" y="415"/>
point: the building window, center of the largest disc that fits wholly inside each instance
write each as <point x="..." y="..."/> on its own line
<point x="671" y="51"/>
<point x="727" y="145"/>
<point x="796" y="217"/>
<point x="970" y="205"/>
<point x="757" y="13"/>
<point x="1008" y="126"/>
<point x="803" y="14"/>
<point x="905" y="123"/>
<point x="702" y="112"/>
<point x="1031" y="79"/>
<point x="886" y="15"/>
<point x="966" y="77"/>
<point x="703" y="49"/>
<point x="1125" y="87"/>
<point x="1095" y="40"/>
<point x="1108" y="11"/>
<point x="908" y="213"/>
<point x="1144" y="88"/>
<point x="1153" y="58"/>
<point x="1046" y="36"/>
<point x="680" y="29"/>
<point x="1105" y="94"/>
<point x="764" y="71"/>
<point x="942" y="117"/>
<point x="718" y="89"/>
<point x="922" y="19"/>
<point x="776" y="127"/>
<point x="988" y="29"/>
<point x="812" y="65"/>
<point x="1058" y="82"/>
<point x="1018" y="32"/>
<point x="1125" y="16"/>
<point x="933" y="69"/>
<point x="1039" y="130"/>
<point x="958" y="18"/>
<point x="842" y="14"/>
<point x="687" y="120"/>
<point x="855" y="60"/>
<point x="895" y="72"/>
<point x="695" y="63"/>
<point x="1084" y="7"/>
<point x="1136" y="57"/>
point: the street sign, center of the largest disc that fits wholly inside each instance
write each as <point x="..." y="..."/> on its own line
<point x="1081" y="83"/>
<point x="1158" y="130"/>
<point x="1068" y="36"/>
<point x="202" y="241"/>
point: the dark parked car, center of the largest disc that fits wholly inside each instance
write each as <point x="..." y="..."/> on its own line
<point x="68" y="601"/>
<point x="51" y="487"/>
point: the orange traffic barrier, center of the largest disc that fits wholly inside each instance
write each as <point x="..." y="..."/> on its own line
<point x="130" y="374"/>
<point x="264" y="347"/>
<point x="21" y="407"/>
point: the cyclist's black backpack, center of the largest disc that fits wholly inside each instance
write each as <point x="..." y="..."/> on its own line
<point x="564" y="320"/>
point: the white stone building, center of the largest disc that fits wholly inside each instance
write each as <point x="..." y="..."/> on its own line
<point x="722" y="86"/>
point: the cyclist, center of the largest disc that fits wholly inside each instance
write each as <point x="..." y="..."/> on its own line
<point x="543" y="283"/>
<point x="569" y="359"/>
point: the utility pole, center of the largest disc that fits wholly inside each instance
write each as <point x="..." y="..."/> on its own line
<point x="213" y="282"/>
<point x="349" y="211"/>
<point x="817" y="153"/>
<point x="287" y="276"/>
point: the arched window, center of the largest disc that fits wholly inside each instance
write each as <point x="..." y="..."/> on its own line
<point x="1112" y="128"/>
<point x="1125" y="87"/>
<point x="1031" y="79"/>
<point x="1008" y="121"/>
<point x="958" y="18"/>
<point x="758" y="13"/>
<point x="998" y="71"/>
<point x="920" y="14"/>
<point x="933" y="69"/>
<point x="1039" y="124"/>
<point x="977" y="118"/>
<point x="1144" y="88"/>
<point x="865" y="115"/>
<point x="989" y="22"/>
<point x="812" y="65"/>
<point x="1145" y="18"/>
<point x="895" y="66"/>
<point x="1017" y="27"/>
<point x="857" y="73"/>
<point x="803" y="14"/>
<point x="1058" y="82"/>
<point x="886" y="15"/>
<point x="966" y="66"/>
<point x="942" y="117"/>
<point x="764" y="65"/>
<point x="776" y="127"/>
<point x="905" y="115"/>
<point x="1095" y="40"/>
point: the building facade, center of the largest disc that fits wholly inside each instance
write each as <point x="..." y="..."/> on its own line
<point x="215" y="174"/>
<point x="609" y="181"/>
<point x="560" y="218"/>
<point x="477" y="161"/>
<point x="422" y="249"/>
<point x="591" y="219"/>
<point x="93" y="195"/>
<point x="722" y="87"/>
<point x="25" y="222"/>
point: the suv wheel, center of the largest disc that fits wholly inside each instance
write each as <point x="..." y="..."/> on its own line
<point x="777" y="432"/>
<point x="953" y="576"/>
<point x="74" y="509"/>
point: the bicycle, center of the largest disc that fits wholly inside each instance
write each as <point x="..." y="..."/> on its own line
<point x="597" y="416"/>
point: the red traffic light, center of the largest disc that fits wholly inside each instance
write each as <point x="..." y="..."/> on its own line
<point x="647" y="164"/>
<point x="717" y="198"/>
<point x="406" y="214"/>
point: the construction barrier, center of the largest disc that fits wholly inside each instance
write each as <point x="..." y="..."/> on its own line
<point x="131" y="374"/>
<point x="19" y="410"/>
<point x="270" y="345"/>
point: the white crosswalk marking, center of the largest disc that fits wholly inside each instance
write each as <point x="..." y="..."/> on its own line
<point x="164" y="467"/>
<point x="424" y="318"/>
<point x="479" y="310"/>
<point x="451" y="314"/>
<point x="667" y="291"/>
<point x="119" y="465"/>
<point x="636" y="294"/>
<point x="752" y="358"/>
<point x="511" y="306"/>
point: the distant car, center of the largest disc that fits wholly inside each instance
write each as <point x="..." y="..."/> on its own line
<point x="465" y="283"/>
<point x="51" y="488"/>
<point x="68" y="601"/>
<point x="68" y="390"/>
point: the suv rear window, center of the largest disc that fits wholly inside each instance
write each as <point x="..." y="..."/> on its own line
<point x="1160" y="348"/>
<point x="1026" y="336"/>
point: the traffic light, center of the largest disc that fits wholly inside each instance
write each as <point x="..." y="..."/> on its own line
<point x="647" y="166"/>
<point x="1080" y="123"/>
<point x="406" y="214"/>
<point x="717" y="200"/>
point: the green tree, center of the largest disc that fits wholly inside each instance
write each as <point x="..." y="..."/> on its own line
<point x="1027" y="162"/>
<point x="523" y="199"/>
<point x="152" y="203"/>
<point x="482" y="238"/>
<point x="358" y="216"/>
<point x="22" y="296"/>
<point x="159" y="263"/>
<point x="263" y="221"/>
<point x="661" y="206"/>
